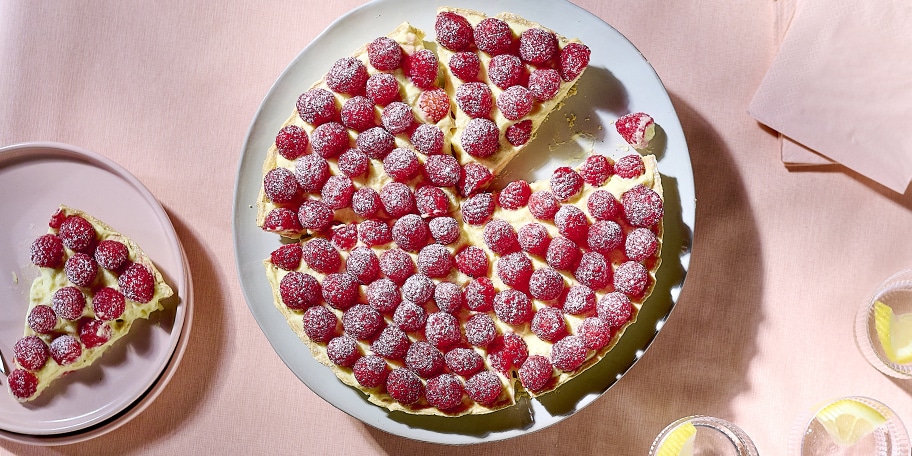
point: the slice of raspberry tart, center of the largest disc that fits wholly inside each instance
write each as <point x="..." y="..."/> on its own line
<point x="94" y="283"/>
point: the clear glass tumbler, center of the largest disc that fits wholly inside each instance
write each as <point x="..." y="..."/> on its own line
<point x="707" y="435"/>
<point x="883" y="326"/>
<point x="849" y="426"/>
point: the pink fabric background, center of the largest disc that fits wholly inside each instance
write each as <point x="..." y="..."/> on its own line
<point x="781" y="259"/>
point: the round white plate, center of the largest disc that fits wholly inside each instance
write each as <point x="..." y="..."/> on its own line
<point x="619" y="80"/>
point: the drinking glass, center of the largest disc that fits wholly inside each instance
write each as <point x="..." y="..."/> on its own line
<point x="714" y="436"/>
<point x="810" y="437"/>
<point x="894" y="294"/>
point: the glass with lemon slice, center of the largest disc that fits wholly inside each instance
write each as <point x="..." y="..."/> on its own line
<point x="702" y="435"/>
<point x="850" y="426"/>
<point x="883" y="327"/>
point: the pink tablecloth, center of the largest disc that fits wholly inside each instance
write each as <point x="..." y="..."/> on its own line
<point x="781" y="259"/>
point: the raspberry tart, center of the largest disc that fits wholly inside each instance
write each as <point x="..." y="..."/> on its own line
<point x="94" y="283"/>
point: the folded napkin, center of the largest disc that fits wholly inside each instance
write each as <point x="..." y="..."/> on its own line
<point x="840" y="87"/>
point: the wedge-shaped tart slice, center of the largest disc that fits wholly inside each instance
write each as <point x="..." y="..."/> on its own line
<point x="94" y="283"/>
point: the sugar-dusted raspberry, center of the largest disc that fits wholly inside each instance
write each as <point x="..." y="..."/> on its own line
<point x="344" y="236"/>
<point x="422" y="68"/>
<point x="513" y="307"/>
<point x="340" y="290"/>
<point x="108" y="304"/>
<point x="444" y="230"/>
<point x="519" y="133"/>
<point x="448" y="297"/>
<point x="472" y="261"/>
<point x="574" y="58"/>
<point x="484" y="388"/>
<point x="42" y="319"/>
<point x="384" y="53"/>
<point x="563" y="254"/>
<point x="383" y="295"/>
<point x="311" y="171"/>
<point x="57" y="218"/>
<point x="94" y="333"/>
<point x="337" y="193"/>
<point x="68" y="303"/>
<point x="282" y="219"/>
<point x="477" y="209"/>
<point x="401" y="164"/>
<point x="404" y="386"/>
<point x="77" y="233"/>
<point x="579" y="300"/>
<point x="603" y="205"/>
<point x="546" y="284"/>
<point x="409" y="316"/>
<point x="397" y="117"/>
<point x="47" y="251"/>
<point x="22" y="383"/>
<point x="535" y="373"/>
<point x="315" y="215"/>
<point x="507" y="351"/>
<point x="374" y="232"/>
<point x="370" y="371"/>
<point x="362" y="321"/>
<point x="464" y="361"/>
<point x="291" y="142"/>
<point x="544" y="83"/>
<point x="465" y="66"/>
<point x="431" y="201"/>
<point x="299" y="290"/>
<point x="411" y="232"/>
<point x="479" y="295"/>
<point x="566" y="183"/>
<point x="343" y="350"/>
<point x="362" y="263"/>
<point x="353" y="162"/>
<point x="280" y="185"/>
<point x="629" y="166"/>
<point x="475" y="99"/>
<point x="112" y="255"/>
<point x="615" y="309"/>
<point x="442" y="330"/>
<point x="418" y="289"/>
<point x="571" y="221"/>
<point x="397" y="199"/>
<point x="500" y="237"/>
<point x="595" y="333"/>
<point x="397" y="265"/>
<point x="594" y="271"/>
<point x="444" y="392"/>
<point x="637" y="129"/>
<point x="320" y="323"/>
<point x="435" y="260"/>
<point x="382" y="88"/>
<point x="348" y="75"/>
<point x="31" y="352"/>
<point x="442" y="170"/>
<point x="549" y="324"/>
<point x="65" y="349"/>
<point x="366" y="202"/>
<point x="507" y="70"/>
<point x="631" y="278"/>
<point x="605" y="236"/>
<point x="321" y="256"/>
<point x="537" y="46"/>
<point x="330" y="139"/>
<point x="317" y="106"/>
<point x="434" y="105"/>
<point x="393" y="343"/>
<point x="81" y="269"/>
<point x="358" y="113"/>
<point x="480" y="330"/>
<point x="474" y="178"/>
<point x="596" y="169"/>
<point x="454" y="31"/>
<point x="641" y="243"/>
<point x="375" y="142"/>
<point x="493" y="36"/>
<point x="515" y="195"/>
<point x="569" y="353"/>
<point x="642" y="206"/>
<point x="533" y="238"/>
<point x="515" y="269"/>
<point x="424" y="359"/>
<point x="428" y="139"/>
<point x="515" y="102"/>
<point x="543" y="205"/>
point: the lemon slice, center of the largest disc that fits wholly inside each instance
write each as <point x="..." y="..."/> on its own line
<point x="894" y="332"/>
<point x="847" y="420"/>
<point x="679" y="442"/>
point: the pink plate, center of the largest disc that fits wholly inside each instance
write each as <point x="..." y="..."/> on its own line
<point x="35" y="178"/>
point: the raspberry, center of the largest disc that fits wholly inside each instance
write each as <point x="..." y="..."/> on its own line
<point x="68" y="303"/>
<point x="534" y="238"/>
<point x="410" y="232"/>
<point x="57" y="219"/>
<point x="108" y="304"/>
<point x="474" y="177"/>
<point x="424" y="359"/>
<point x="337" y="192"/>
<point x="343" y="351"/>
<point x="465" y="66"/>
<point x="42" y="319"/>
<point x="282" y="219"/>
<point x="344" y="237"/>
<point x="500" y="237"/>
<point x="375" y="142"/>
<point x="515" y="195"/>
<point x="77" y="233"/>
<point x="636" y="128"/>
<point x="81" y="269"/>
<point x="477" y="209"/>
<point x="65" y="349"/>
<point x="506" y="70"/>
<point x="507" y="352"/>
<point x="384" y="53"/>
<point x="604" y="206"/>
<point x="549" y="324"/>
<point x="615" y="309"/>
<point x="398" y="199"/>
<point x="382" y="88"/>
<point x="358" y="113"/>
<point x="569" y="353"/>
<point x="442" y="330"/>
<point x="418" y="289"/>
<point x="397" y="117"/>
<point x="475" y="99"/>
<point x="112" y="255"/>
<point x="363" y="264"/>
<point x="480" y="330"/>
<point x="31" y="352"/>
<point x="453" y="31"/>
<point x="353" y="163"/>
<point x="574" y="58"/>
<point x="515" y="269"/>
<point x="315" y="215"/>
<point x="535" y="373"/>
<point x="374" y="232"/>
<point x="280" y="186"/>
<point x="493" y="36"/>
<point x="435" y="260"/>
<point x="642" y="206"/>
<point x="448" y="297"/>
<point x="566" y="183"/>
<point x="47" y="251"/>
<point x="605" y="236"/>
<point x="641" y="244"/>
<point x="404" y="386"/>
<point x="464" y="361"/>
<point x="484" y="388"/>
<point x="317" y="106"/>
<point x="594" y="271"/>
<point x="513" y="307"/>
<point x="291" y="142"/>
<point x="397" y="265"/>
<point x="319" y="323"/>
<point x="579" y="300"/>
<point x="409" y="316"/>
<point x="383" y="295"/>
<point x="537" y="46"/>
<point x="340" y="290"/>
<point x="543" y="205"/>
<point x="629" y="166"/>
<point x="631" y="278"/>
<point x="596" y="170"/>
<point x="546" y="284"/>
<point x="444" y="230"/>
<point x="442" y="170"/>
<point x="321" y="256"/>
<point x="431" y="201"/>
<point x="594" y="332"/>
<point x="348" y="75"/>
<point x="428" y="139"/>
<point x="392" y="343"/>
<point x="329" y="139"/>
<point x="312" y="171"/>
<point x="479" y="295"/>
<point x="434" y="104"/>
<point x="515" y="102"/>
<point x="519" y="133"/>
<point x="361" y="321"/>
<point x="22" y="383"/>
<point x="544" y="83"/>
<point x="94" y="333"/>
<point x="444" y="392"/>
<point x="562" y="254"/>
<point x="366" y="202"/>
<point x="401" y="164"/>
<point x="370" y="371"/>
<point x="299" y="290"/>
<point x="571" y="221"/>
<point x="422" y="69"/>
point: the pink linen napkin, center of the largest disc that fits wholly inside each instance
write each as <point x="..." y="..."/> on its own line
<point x="840" y="87"/>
